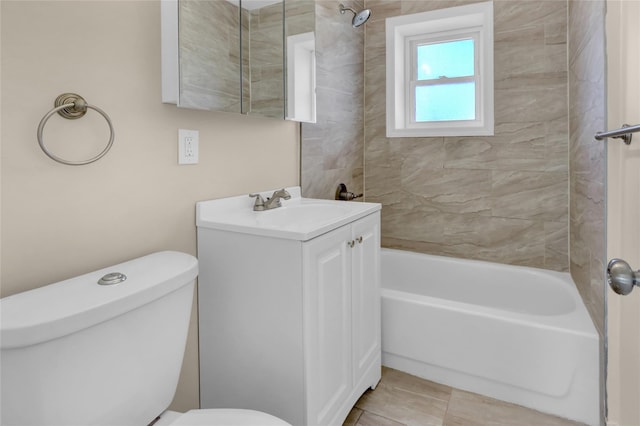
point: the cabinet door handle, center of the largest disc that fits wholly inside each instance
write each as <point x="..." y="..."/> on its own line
<point x="359" y="239"/>
<point x="351" y="243"/>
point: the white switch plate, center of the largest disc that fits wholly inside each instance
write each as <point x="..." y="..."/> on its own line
<point x="188" y="146"/>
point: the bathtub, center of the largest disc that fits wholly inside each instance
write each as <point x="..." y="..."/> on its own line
<point x="518" y="334"/>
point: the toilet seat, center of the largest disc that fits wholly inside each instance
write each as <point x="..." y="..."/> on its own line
<point x="220" y="417"/>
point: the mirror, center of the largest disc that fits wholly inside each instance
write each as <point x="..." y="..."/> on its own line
<point x="209" y="55"/>
<point x="262" y="57"/>
<point x="230" y="56"/>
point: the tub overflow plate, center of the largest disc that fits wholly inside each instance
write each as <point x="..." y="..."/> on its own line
<point x="112" y="278"/>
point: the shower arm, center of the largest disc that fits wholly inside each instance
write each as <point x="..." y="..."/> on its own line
<point x="344" y="8"/>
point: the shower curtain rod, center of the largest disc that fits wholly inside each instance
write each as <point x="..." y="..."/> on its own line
<point x="624" y="133"/>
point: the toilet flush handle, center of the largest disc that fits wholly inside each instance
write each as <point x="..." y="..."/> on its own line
<point x="112" y="278"/>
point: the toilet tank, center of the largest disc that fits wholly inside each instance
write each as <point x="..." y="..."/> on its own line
<point x="80" y="353"/>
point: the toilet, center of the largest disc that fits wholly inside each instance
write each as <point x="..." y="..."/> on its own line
<point x="105" y="348"/>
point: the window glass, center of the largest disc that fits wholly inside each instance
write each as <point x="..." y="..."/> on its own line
<point x="446" y="102"/>
<point x="450" y="59"/>
<point x="439" y="72"/>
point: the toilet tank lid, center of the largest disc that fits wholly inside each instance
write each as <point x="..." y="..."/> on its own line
<point x="61" y="308"/>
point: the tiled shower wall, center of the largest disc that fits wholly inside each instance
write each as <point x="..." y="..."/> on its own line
<point x="587" y="115"/>
<point x="502" y="198"/>
<point x="587" y="160"/>
<point x="333" y="147"/>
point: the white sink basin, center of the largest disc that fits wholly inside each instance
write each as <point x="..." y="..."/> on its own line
<point x="303" y="214"/>
<point x="298" y="218"/>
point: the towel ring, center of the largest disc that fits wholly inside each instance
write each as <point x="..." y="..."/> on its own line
<point x="72" y="106"/>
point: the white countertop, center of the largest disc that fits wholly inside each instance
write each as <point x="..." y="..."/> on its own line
<point x="298" y="219"/>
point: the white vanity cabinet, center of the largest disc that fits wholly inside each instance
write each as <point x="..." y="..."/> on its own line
<point x="341" y="309"/>
<point x="288" y="326"/>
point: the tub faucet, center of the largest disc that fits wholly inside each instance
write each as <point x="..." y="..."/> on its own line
<point x="271" y="202"/>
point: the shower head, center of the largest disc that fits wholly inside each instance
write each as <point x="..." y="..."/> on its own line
<point x="359" y="18"/>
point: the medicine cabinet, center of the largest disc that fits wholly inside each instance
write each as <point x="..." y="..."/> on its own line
<point x="255" y="57"/>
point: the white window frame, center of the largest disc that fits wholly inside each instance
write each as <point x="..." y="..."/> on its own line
<point x="455" y="23"/>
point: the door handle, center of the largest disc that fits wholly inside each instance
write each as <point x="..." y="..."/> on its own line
<point x="621" y="277"/>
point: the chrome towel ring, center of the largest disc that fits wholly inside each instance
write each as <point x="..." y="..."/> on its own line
<point x="72" y="106"/>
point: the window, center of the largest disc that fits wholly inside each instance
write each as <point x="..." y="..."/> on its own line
<point x="443" y="81"/>
<point x="440" y="72"/>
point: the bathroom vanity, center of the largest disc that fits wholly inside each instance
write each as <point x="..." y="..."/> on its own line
<point x="289" y="306"/>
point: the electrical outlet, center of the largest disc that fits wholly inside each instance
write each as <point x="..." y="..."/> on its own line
<point x="188" y="146"/>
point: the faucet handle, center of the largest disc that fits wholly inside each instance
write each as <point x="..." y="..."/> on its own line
<point x="259" y="204"/>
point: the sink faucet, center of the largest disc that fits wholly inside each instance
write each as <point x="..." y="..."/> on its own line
<point x="271" y="202"/>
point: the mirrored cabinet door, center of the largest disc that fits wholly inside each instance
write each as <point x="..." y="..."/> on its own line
<point x="263" y="58"/>
<point x="209" y="55"/>
<point x="231" y="55"/>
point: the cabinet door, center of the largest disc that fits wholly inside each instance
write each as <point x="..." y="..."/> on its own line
<point x="366" y="294"/>
<point x="327" y="328"/>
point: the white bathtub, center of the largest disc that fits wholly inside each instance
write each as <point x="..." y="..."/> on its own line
<point x="517" y="334"/>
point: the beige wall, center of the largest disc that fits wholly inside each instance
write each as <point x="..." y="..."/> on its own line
<point x="59" y="221"/>
<point x="623" y="209"/>
<point x="502" y="198"/>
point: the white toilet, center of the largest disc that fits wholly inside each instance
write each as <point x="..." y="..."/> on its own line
<point x="82" y="353"/>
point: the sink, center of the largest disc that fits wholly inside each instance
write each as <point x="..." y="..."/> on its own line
<point x="299" y="218"/>
<point x="304" y="214"/>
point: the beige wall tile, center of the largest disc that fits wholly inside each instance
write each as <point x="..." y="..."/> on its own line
<point x="333" y="148"/>
<point x="556" y="243"/>
<point x="587" y="115"/>
<point x="516" y="146"/>
<point x="587" y="156"/>
<point x="480" y="197"/>
<point x="529" y="195"/>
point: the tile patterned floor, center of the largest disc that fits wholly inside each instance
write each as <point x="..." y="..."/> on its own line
<point x="404" y="400"/>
